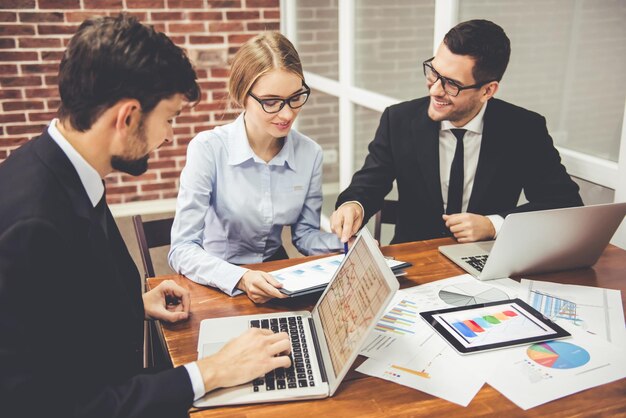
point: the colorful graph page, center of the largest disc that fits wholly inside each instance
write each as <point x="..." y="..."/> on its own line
<point x="492" y="325"/>
<point x="558" y="355"/>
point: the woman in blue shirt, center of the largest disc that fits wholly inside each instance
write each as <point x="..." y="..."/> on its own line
<point x="245" y="180"/>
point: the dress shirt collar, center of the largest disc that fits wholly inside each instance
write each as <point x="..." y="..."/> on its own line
<point x="239" y="149"/>
<point x="88" y="175"/>
<point x="475" y="125"/>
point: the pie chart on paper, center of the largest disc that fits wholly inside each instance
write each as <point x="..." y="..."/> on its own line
<point x="463" y="294"/>
<point x="558" y="355"/>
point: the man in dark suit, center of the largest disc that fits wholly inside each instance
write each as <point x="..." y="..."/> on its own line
<point x="71" y="307"/>
<point x="460" y="157"/>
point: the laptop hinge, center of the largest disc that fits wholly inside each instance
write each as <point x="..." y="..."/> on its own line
<point x="318" y="350"/>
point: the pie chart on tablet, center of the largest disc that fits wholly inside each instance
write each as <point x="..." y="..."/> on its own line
<point x="463" y="294"/>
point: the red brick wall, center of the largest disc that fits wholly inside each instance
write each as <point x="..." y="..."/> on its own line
<point x="34" y="33"/>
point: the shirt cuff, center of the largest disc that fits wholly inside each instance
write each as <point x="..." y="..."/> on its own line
<point x="197" y="383"/>
<point x="496" y="221"/>
<point x="230" y="274"/>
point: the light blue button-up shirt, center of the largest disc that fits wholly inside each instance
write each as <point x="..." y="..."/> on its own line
<point x="232" y="205"/>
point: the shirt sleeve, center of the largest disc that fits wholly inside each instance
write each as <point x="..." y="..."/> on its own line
<point x="196" y="380"/>
<point x="187" y="256"/>
<point x="305" y="233"/>
<point x="496" y="221"/>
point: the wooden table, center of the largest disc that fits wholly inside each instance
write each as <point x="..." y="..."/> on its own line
<point x="364" y="396"/>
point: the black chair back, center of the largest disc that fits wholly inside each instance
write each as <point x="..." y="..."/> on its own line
<point x="387" y="215"/>
<point x="151" y="234"/>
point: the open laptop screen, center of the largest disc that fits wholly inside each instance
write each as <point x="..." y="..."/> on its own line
<point x="352" y="302"/>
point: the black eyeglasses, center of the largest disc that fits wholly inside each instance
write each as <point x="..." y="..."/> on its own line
<point x="449" y="86"/>
<point x="276" y="105"/>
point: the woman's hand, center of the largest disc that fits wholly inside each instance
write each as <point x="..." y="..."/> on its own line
<point x="260" y="286"/>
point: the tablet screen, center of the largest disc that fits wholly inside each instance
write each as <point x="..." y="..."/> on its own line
<point x="492" y="325"/>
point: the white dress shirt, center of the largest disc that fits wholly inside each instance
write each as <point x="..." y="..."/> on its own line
<point x="88" y="175"/>
<point x="471" y="151"/>
<point x="92" y="183"/>
<point x="232" y="205"/>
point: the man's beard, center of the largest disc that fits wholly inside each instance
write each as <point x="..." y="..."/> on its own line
<point x="468" y="110"/>
<point x="133" y="167"/>
<point x="137" y="166"/>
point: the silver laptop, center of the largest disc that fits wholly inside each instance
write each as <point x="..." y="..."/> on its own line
<point x="324" y="342"/>
<point x="540" y="242"/>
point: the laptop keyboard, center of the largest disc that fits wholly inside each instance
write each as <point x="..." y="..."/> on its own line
<point x="477" y="261"/>
<point x="300" y="374"/>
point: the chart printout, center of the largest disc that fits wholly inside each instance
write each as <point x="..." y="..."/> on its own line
<point x="595" y="310"/>
<point x="350" y="304"/>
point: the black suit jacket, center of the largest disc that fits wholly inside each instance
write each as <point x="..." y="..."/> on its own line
<point x="516" y="154"/>
<point x="71" y="312"/>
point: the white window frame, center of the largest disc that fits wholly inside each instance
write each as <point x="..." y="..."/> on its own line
<point x="603" y="172"/>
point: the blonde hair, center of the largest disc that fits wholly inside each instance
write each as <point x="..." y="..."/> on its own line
<point x="265" y="52"/>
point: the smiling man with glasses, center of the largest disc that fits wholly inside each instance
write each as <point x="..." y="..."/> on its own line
<point x="460" y="157"/>
<point x="451" y="87"/>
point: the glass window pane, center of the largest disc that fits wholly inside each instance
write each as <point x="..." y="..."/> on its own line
<point x="568" y="59"/>
<point x="318" y="36"/>
<point x="391" y="41"/>
<point x="365" y="124"/>
<point x="319" y="120"/>
<point x="594" y="194"/>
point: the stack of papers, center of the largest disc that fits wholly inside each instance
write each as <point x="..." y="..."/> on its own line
<point x="531" y="376"/>
<point x="405" y="350"/>
<point x="313" y="276"/>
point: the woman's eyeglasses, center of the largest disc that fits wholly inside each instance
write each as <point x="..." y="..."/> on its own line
<point x="276" y="105"/>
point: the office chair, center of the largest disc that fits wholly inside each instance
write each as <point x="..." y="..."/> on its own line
<point x="152" y="234"/>
<point x="386" y="215"/>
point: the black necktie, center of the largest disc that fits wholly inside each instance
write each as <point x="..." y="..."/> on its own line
<point x="455" y="188"/>
<point x="101" y="212"/>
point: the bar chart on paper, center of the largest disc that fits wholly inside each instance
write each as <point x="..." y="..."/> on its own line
<point x="400" y="319"/>
<point x="554" y="307"/>
<point x="425" y="362"/>
<point x="417" y="363"/>
<point x="595" y="310"/>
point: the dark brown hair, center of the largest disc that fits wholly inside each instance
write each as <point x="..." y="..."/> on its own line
<point x="484" y="41"/>
<point x="112" y="58"/>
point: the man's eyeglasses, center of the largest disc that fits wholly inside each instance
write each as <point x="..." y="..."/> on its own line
<point x="276" y="105"/>
<point x="449" y="86"/>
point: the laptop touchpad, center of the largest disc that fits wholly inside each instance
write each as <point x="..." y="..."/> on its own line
<point x="485" y="246"/>
<point x="209" y="349"/>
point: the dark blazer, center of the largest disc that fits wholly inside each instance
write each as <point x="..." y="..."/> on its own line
<point x="71" y="312"/>
<point x="516" y="154"/>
